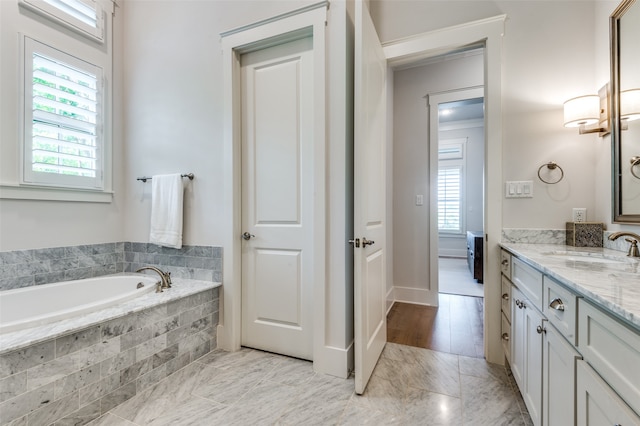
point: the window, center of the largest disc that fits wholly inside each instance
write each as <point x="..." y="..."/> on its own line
<point x="449" y="199"/>
<point x="450" y="186"/>
<point x="63" y="144"/>
<point x="82" y="16"/>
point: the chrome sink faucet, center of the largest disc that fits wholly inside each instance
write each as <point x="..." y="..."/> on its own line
<point x="165" y="278"/>
<point x="633" y="248"/>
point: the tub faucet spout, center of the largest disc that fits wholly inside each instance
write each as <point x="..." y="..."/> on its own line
<point x="165" y="277"/>
<point x="634" y="238"/>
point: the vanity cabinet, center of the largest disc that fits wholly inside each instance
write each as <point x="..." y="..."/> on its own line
<point x="574" y="362"/>
<point x="598" y="404"/>
<point x="542" y="360"/>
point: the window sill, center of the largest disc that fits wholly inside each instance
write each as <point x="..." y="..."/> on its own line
<point x="16" y="192"/>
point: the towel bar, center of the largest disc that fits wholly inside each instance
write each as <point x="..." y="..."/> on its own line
<point x="145" y="178"/>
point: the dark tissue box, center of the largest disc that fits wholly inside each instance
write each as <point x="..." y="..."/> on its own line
<point x="585" y="234"/>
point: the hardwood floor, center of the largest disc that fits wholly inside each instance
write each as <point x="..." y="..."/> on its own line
<point x="456" y="326"/>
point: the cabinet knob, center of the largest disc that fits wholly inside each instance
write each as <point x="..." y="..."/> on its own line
<point x="505" y="296"/>
<point x="541" y="329"/>
<point x="505" y="262"/>
<point x="505" y="336"/>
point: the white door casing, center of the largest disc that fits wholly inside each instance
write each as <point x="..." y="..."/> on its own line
<point x="277" y="198"/>
<point x="369" y="198"/>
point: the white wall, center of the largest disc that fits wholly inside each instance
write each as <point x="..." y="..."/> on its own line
<point x="549" y="57"/>
<point x="411" y="160"/>
<point x="26" y="224"/>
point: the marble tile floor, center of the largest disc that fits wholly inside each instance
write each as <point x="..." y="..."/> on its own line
<point x="410" y="386"/>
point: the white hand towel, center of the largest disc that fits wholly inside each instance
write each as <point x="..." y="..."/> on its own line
<point x="166" y="210"/>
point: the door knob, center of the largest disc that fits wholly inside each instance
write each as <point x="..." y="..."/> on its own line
<point x="247" y="236"/>
<point x="355" y="242"/>
<point x="366" y="242"/>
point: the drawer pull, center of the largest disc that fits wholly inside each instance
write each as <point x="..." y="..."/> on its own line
<point x="505" y="296"/>
<point x="557" y="304"/>
<point x="505" y="336"/>
<point x="505" y="262"/>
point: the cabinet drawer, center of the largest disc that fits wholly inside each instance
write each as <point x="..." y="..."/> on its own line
<point x="506" y="298"/>
<point x="528" y="280"/>
<point x="506" y="337"/>
<point x="505" y="263"/>
<point x="560" y="306"/>
<point x="612" y="349"/>
<point x="597" y="404"/>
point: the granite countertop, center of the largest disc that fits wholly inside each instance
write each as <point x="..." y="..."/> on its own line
<point x="181" y="287"/>
<point x="605" y="277"/>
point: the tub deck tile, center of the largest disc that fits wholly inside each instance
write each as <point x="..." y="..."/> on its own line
<point x="13" y="386"/>
<point x="26" y="403"/>
<point x="21" y="360"/>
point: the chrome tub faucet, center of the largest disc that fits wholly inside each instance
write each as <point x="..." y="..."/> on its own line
<point x="165" y="278"/>
<point x="633" y="248"/>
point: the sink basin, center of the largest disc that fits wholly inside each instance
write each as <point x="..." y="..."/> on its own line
<point x="589" y="257"/>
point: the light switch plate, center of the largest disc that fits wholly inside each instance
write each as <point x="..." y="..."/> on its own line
<point x="419" y="200"/>
<point x="519" y="189"/>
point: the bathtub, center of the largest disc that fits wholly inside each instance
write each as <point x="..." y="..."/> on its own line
<point x="37" y="305"/>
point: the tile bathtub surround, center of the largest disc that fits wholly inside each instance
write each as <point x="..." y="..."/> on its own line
<point x="23" y="268"/>
<point x="194" y="262"/>
<point x="75" y="378"/>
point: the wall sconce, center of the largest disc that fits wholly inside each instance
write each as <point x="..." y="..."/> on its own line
<point x="630" y="105"/>
<point x="588" y="110"/>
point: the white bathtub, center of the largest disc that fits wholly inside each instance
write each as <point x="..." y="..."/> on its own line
<point x="41" y="304"/>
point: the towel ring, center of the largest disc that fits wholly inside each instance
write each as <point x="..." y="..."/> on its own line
<point x="551" y="165"/>
<point x="635" y="161"/>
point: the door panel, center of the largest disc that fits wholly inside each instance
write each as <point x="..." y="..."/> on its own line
<point x="369" y="197"/>
<point x="277" y="198"/>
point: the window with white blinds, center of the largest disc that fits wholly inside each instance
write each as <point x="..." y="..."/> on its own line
<point x="83" y="16"/>
<point x="450" y="199"/>
<point x="63" y="141"/>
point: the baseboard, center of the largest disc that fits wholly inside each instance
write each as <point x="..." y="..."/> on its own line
<point x="461" y="253"/>
<point x="390" y="299"/>
<point x="416" y="296"/>
<point x="334" y="361"/>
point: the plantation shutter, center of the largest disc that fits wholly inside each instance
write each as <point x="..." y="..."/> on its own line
<point x="449" y="202"/>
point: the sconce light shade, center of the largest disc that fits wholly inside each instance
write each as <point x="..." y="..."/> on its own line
<point x="582" y="111"/>
<point x="630" y="104"/>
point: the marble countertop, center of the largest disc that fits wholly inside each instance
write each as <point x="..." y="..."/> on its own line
<point x="614" y="286"/>
<point x="181" y="287"/>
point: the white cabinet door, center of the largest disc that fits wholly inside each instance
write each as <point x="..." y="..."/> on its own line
<point x="532" y="391"/>
<point x="597" y="403"/>
<point x="526" y="352"/>
<point x="517" y="336"/>
<point x="559" y="378"/>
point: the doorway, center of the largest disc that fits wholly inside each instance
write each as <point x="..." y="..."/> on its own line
<point x="460" y="198"/>
<point x="450" y="172"/>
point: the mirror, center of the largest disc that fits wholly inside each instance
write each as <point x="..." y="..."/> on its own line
<point x="625" y="111"/>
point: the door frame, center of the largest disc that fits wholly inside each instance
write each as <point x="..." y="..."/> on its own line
<point x="488" y="32"/>
<point x="434" y="167"/>
<point x="304" y="22"/>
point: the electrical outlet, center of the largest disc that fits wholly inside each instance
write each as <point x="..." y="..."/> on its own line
<point x="579" y="215"/>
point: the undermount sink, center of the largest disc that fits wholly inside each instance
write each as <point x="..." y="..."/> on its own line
<point x="589" y="257"/>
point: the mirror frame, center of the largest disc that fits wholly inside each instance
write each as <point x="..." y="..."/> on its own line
<point x="616" y="163"/>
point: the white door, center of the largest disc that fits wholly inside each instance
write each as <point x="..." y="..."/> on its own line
<point x="277" y="198"/>
<point x="369" y="198"/>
